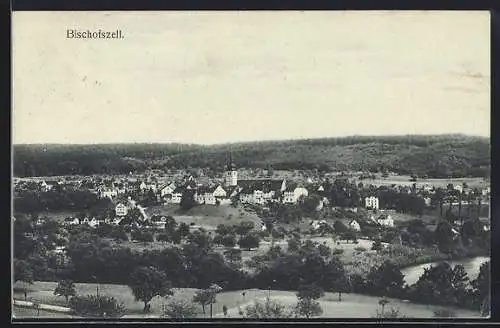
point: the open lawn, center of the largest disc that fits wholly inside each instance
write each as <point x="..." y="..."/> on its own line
<point x="351" y="306"/>
<point x="22" y="312"/>
<point x="207" y="216"/>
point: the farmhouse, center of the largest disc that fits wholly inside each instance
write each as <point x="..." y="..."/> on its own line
<point x="354" y="225"/>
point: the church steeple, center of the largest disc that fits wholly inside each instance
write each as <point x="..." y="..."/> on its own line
<point x="231" y="176"/>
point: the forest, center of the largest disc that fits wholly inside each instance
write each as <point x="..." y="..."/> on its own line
<point x="433" y="156"/>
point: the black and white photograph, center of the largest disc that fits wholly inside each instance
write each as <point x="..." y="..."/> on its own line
<point x="250" y="165"/>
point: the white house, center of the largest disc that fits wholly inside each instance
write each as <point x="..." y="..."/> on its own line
<point x="108" y="192"/>
<point x="354" y="225"/>
<point x="167" y="190"/>
<point x="177" y="196"/>
<point x="427" y="201"/>
<point x="372" y="202"/>
<point x="459" y="188"/>
<point x="93" y="222"/>
<point x="71" y="221"/>
<point x="485" y="192"/>
<point x="121" y="210"/>
<point x="292" y="195"/>
<point x="386" y="221"/>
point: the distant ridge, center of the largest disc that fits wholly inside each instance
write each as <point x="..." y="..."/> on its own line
<point x="447" y="155"/>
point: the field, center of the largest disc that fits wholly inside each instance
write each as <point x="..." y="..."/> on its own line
<point x="206" y="216"/>
<point x="352" y="305"/>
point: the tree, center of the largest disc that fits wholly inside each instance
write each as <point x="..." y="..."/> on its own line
<point x="180" y="309"/>
<point x="377" y="245"/>
<point x="249" y="241"/>
<point x="308" y="308"/>
<point x="207" y="297"/>
<point x="97" y="306"/>
<point x="149" y="282"/>
<point x="170" y="225"/>
<point x="228" y="241"/>
<point x="385" y="280"/>
<point x="203" y="297"/>
<point x="269" y="309"/>
<point x="233" y="255"/>
<point x="244" y="228"/>
<point x="223" y="229"/>
<point x="187" y="200"/>
<point x="481" y="286"/>
<point x="24" y="274"/>
<point x="183" y="230"/>
<point x="311" y="291"/>
<point x="444" y="236"/>
<point x="293" y="244"/>
<point x="65" y="288"/>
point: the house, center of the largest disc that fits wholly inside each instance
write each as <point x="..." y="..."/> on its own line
<point x="293" y="193"/>
<point x="485" y="192"/>
<point x="71" y="221"/>
<point x="159" y="220"/>
<point x="46" y="186"/>
<point x="372" y="202"/>
<point x="93" y="223"/>
<point x="116" y="221"/>
<point x="386" y="221"/>
<point x="121" y="209"/>
<point x="177" y="195"/>
<point x="107" y="192"/>
<point x="427" y="201"/>
<point x="354" y="225"/>
<point x="458" y="188"/>
<point x="167" y="189"/>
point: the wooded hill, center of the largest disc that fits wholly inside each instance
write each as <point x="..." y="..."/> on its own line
<point x="436" y="156"/>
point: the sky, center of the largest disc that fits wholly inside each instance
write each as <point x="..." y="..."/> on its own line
<point x="217" y="77"/>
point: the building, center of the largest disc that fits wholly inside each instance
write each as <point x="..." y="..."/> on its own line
<point x="177" y="195"/>
<point x="386" y="221"/>
<point x="167" y="189"/>
<point x="459" y="188"/>
<point x="354" y="225"/>
<point x="292" y="194"/>
<point x="372" y="202"/>
<point x="121" y="209"/>
<point x="71" y="221"/>
<point x="231" y="174"/>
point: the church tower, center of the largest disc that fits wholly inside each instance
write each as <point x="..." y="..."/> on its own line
<point x="231" y="174"/>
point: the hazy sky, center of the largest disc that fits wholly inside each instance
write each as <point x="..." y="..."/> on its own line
<point x="213" y="77"/>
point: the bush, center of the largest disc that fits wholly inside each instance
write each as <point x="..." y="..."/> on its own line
<point x="360" y="249"/>
<point x="93" y="306"/>
<point x="338" y="251"/>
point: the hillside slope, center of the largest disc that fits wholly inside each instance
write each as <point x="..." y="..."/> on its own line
<point x="434" y="156"/>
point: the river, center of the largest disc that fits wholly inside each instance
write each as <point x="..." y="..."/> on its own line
<point x="471" y="266"/>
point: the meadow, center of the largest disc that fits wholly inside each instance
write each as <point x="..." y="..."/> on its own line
<point x="351" y="306"/>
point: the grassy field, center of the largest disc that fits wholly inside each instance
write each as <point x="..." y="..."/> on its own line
<point x="207" y="216"/>
<point x="22" y="312"/>
<point x="352" y="305"/>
